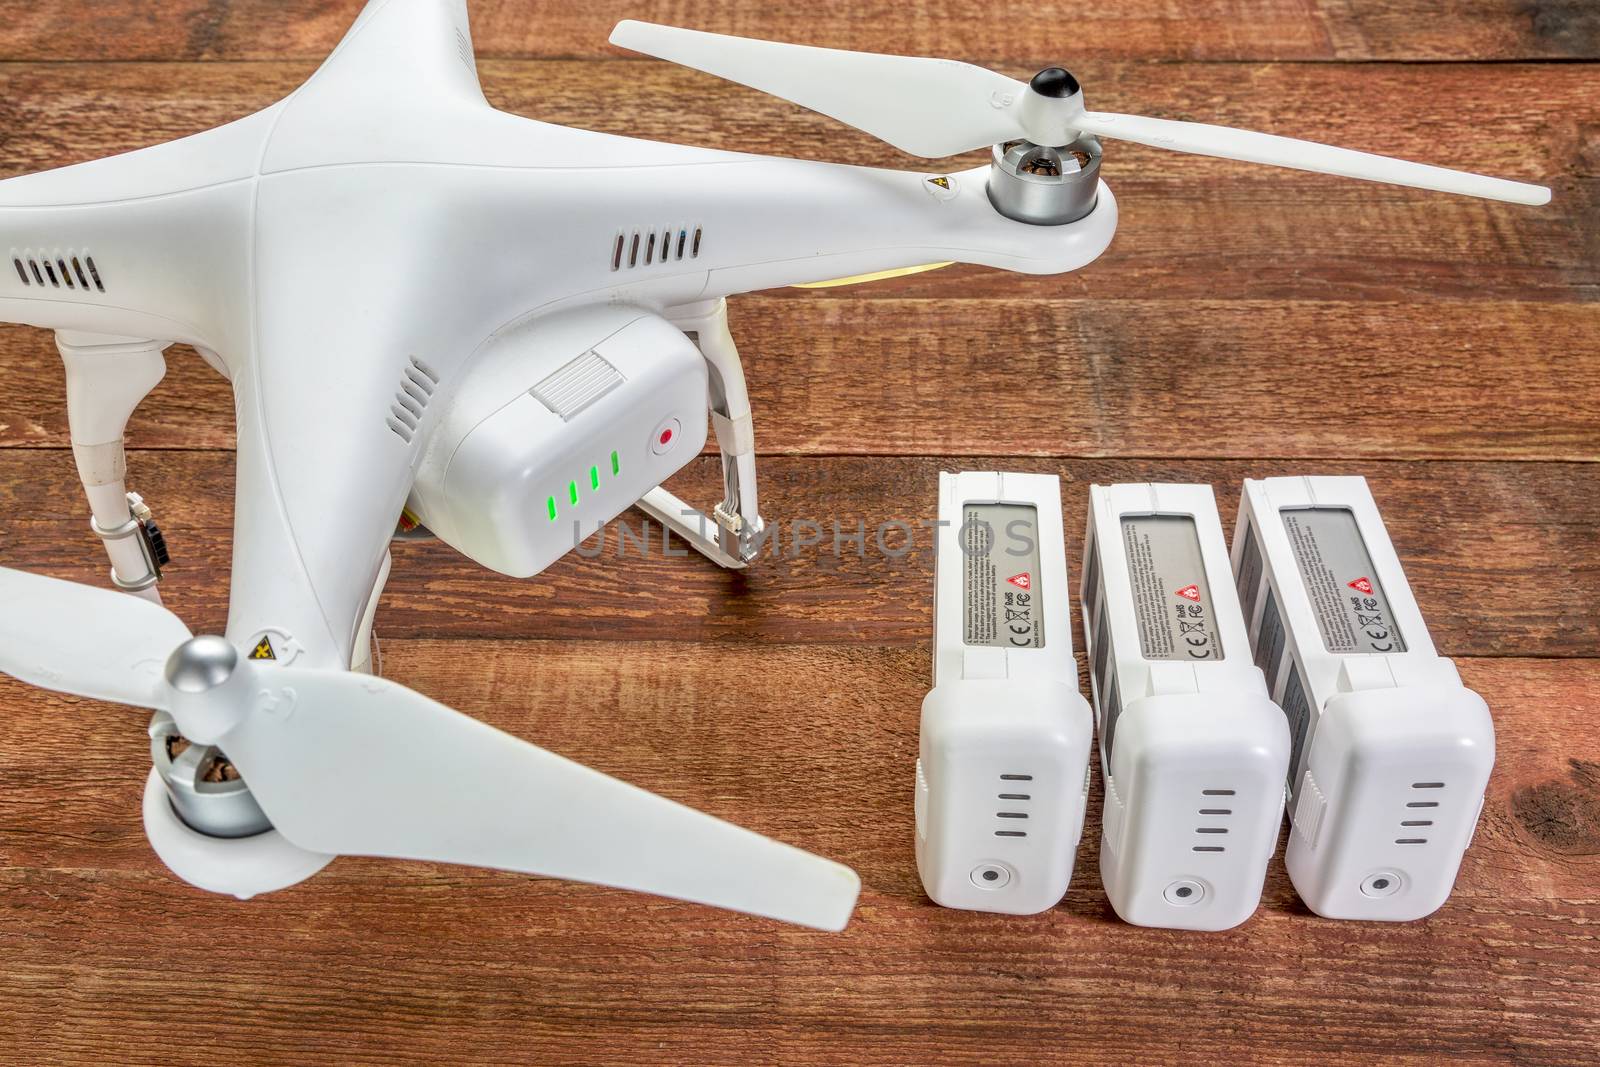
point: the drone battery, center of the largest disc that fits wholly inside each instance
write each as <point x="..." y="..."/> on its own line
<point x="558" y="428"/>
<point x="1391" y="752"/>
<point x="1193" y="751"/>
<point x="1002" y="777"/>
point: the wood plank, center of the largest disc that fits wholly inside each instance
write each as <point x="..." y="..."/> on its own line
<point x="374" y="961"/>
<point x="1191" y="228"/>
<point x="1144" y="29"/>
<point x="1047" y="376"/>
<point x="1501" y="555"/>
<point x="1437" y="345"/>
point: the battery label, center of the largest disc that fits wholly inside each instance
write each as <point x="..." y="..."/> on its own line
<point x="1171" y="597"/>
<point x="1341" y="582"/>
<point x="1000" y="576"/>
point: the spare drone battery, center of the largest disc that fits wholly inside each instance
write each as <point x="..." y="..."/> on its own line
<point x="1391" y="752"/>
<point x="1003" y="773"/>
<point x="1192" y="749"/>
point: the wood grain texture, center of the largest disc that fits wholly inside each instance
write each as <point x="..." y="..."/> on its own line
<point x="1501" y="555"/>
<point x="424" y="963"/>
<point x="1042" y="376"/>
<point x="1143" y="29"/>
<point x="1246" y="322"/>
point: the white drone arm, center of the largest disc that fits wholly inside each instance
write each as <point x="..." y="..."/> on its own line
<point x="151" y="244"/>
<point x="841" y="222"/>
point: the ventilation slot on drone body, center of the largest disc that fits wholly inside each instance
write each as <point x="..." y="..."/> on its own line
<point x="417" y="385"/>
<point x="464" y="46"/>
<point x="644" y="248"/>
<point x="75" y="271"/>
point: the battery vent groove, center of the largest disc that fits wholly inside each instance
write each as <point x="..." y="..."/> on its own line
<point x="1013" y="798"/>
<point x="1213" y="813"/>
<point x="577" y="384"/>
<point x="1416" y="825"/>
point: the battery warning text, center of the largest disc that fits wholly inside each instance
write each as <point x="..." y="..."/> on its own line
<point x="1000" y="567"/>
<point x="1171" y="598"/>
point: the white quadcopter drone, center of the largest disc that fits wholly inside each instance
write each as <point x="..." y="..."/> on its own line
<point x="507" y="331"/>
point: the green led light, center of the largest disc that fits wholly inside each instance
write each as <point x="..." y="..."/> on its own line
<point x="551" y="504"/>
<point x="594" y="477"/>
<point x="572" y="491"/>
<point x="616" y="464"/>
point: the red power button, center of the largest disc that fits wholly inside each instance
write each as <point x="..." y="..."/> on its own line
<point x="665" y="436"/>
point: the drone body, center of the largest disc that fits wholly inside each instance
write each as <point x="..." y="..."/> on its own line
<point x="395" y="278"/>
<point x="385" y="213"/>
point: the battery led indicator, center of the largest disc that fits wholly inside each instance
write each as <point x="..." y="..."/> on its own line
<point x="572" y="493"/>
<point x="551" y="506"/>
<point x="616" y="464"/>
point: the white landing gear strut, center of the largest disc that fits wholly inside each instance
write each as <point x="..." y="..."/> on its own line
<point x="737" y="519"/>
<point x="107" y="377"/>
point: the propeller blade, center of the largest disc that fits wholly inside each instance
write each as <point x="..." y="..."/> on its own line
<point x="1225" y="143"/>
<point x="938" y="107"/>
<point x="83" y="640"/>
<point x="352" y="764"/>
<point x="926" y="107"/>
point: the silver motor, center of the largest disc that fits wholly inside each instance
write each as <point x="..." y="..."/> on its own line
<point x="1043" y="185"/>
<point x="206" y="791"/>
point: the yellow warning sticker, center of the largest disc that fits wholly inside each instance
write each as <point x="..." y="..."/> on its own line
<point x="263" y="649"/>
<point x="942" y="182"/>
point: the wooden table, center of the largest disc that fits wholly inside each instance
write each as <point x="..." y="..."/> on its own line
<point x="1246" y="322"/>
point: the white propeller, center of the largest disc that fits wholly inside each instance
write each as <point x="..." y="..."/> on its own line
<point x="937" y="107"/>
<point x="927" y="107"/>
<point x="89" y="642"/>
<point x="356" y="765"/>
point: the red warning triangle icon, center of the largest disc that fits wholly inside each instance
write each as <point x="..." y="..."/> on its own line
<point x="1021" y="581"/>
<point x="1189" y="592"/>
<point x="1361" y="585"/>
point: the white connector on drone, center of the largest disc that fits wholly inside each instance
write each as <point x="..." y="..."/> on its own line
<point x="1003" y="773"/>
<point x="1391" y="752"/>
<point x="1193" y="751"/>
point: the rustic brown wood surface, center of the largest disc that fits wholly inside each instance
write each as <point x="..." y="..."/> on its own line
<point x="1245" y="323"/>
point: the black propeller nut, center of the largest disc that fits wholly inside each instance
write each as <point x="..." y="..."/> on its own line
<point x="1055" y="82"/>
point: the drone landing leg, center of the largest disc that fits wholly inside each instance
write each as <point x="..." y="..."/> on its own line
<point x="737" y="519"/>
<point x="107" y="377"/>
